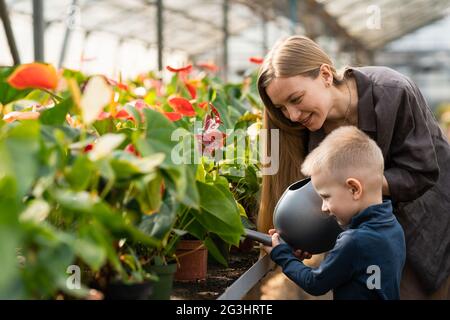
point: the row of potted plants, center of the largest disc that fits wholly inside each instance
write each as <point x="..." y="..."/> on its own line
<point x="101" y="179"/>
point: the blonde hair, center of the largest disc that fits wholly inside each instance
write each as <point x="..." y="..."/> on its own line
<point x="347" y="151"/>
<point x="296" y="55"/>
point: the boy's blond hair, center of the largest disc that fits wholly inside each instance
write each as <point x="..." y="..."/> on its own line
<point x="346" y="151"/>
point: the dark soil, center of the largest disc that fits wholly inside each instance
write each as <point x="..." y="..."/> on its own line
<point x="218" y="277"/>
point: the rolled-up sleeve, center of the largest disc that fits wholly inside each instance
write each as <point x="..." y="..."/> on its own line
<point x="412" y="168"/>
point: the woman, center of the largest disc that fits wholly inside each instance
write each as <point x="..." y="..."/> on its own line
<point x="306" y="98"/>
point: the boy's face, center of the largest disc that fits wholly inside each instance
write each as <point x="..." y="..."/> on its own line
<point x="337" y="197"/>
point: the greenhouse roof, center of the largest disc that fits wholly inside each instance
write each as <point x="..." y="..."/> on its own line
<point x="197" y="25"/>
<point x="195" y="30"/>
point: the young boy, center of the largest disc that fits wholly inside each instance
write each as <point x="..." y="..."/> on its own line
<point x="346" y="170"/>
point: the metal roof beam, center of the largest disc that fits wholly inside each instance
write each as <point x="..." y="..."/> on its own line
<point x="396" y="13"/>
<point x="319" y="10"/>
<point x="422" y="22"/>
<point x="9" y="32"/>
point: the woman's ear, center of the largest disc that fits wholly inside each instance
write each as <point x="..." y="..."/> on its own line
<point x="354" y="187"/>
<point x="326" y="74"/>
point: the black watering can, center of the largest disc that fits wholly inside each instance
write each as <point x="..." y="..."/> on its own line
<point x="299" y="220"/>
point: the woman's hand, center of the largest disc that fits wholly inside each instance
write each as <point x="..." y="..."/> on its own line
<point x="275" y="240"/>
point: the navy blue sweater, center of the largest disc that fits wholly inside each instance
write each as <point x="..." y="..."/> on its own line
<point x="373" y="247"/>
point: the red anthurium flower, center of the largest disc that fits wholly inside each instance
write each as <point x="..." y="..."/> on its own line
<point x="191" y="89"/>
<point x="186" y="69"/>
<point x="208" y="66"/>
<point x="117" y="84"/>
<point x="182" y="106"/>
<point x="131" y="149"/>
<point x="212" y="138"/>
<point x="173" y="116"/>
<point x="123" y="114"/>
<point x="104" y="115"/>
<point x="216" y="113"/>
<point x="157" y="84"/>
<point x="88" y="148"/>
<point x="140" y="104"/>
<point x="256" y="60"/>
<point x="34" y="75"/>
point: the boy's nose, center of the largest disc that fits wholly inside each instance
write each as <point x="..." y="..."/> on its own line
<point x="324" y="207"/>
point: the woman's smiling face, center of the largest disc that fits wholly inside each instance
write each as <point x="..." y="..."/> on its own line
<point x="302" y="99"/>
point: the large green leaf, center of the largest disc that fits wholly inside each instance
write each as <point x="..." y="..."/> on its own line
<point x="80" y="173"/>
<point x="126" y="165"/>
<point x="90" y="247"/>
<point x="57" y="114"/>
<point x="149" y="193"/>
<point x="19" y="148"/>
<point x="218" y="250"/>
<point x="158" y="134"/>
<point x="9" y="239"/>
<point x="85" y="203"/>
<point x="159" y="224"/>
<point x="219" y="213"/>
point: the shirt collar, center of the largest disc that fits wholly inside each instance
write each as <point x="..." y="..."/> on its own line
<point x="376" y="213"/>
<point x="367" y="120"/>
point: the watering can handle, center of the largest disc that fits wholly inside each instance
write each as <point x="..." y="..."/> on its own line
<point x="264" y="238"/>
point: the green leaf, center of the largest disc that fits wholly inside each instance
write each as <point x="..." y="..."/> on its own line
<point x="9" y="276"/>
<point x="89" y="250"/>
<point x="159" y="131"/>
<point x="219" y="213"/>
<point x="39" y="96"/>
<point x="79" y="175"/>
<point x="57" y="114"/>
<point x="126" y="165"/>
<point x="149" y="196"/>
<point x="159" y="224"/>
<point x="19" y="148"/>
<point x="215" y="252"/>
<point x="37" y="211"/>
<point x="191" y="197"/>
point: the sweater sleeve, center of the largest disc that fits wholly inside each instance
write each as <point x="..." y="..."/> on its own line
<point x="413" y="167"/>
<point x="336" y="269"/>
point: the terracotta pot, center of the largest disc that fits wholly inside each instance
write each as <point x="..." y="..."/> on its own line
<point x="193" y="260"/>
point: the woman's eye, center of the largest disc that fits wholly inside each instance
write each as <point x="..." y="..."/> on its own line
<point x="296" y="100"/>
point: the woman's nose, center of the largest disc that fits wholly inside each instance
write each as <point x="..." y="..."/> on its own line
<point x="294" y="113"/>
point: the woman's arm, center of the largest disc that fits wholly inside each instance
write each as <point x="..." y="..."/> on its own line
<point x="412" y="167"/>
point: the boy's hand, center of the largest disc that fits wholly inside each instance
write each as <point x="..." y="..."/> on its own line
<point x="301" y="255"/>
<point x="275" y="240"/>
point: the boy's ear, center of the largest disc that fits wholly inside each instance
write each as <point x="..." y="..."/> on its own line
<point x="355" y="187"/>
